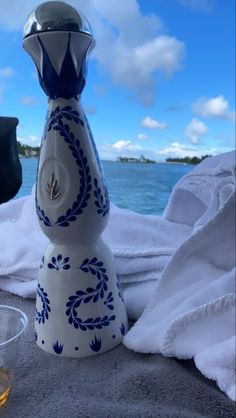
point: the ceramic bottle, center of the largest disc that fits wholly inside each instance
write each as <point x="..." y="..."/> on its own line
<point x="79" y="307"/>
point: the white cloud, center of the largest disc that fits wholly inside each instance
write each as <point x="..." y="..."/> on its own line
<point x="178" y="150"/>
<point x="148" y="122"/>
<point x="90" y="110"/>
<point x="126" y="145"/>
<point x="29" y="100"/>
<point x="31" y="140"/>
<point x="136" y="65"/>
<point x="201" y="5"/>
<point x="119" y="148"/>
<point x="216" y="107"/>
<point x="7" y="72"/>
<point x="130" y="45"/>
<point x="142" y="137"/>
<point x="195" y="130"/>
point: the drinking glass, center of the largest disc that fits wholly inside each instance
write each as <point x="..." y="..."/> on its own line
<point x="12" y="325"/>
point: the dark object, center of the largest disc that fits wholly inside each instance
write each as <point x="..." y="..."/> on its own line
<point x="10" y="166"/>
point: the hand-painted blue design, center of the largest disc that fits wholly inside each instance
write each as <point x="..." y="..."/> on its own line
<point x="84" y="171"/>
<point x="41" y="214"/>
<point x="91" y="294"/>
<point x="35" y="336"/>
<point x="101" y="171"/>
<point x="57" y="114"/>
<point x="101" y="199"/>
<point x="97" y="268"/>
<point x="58" y="348"/>
<point x="67" y="84"/>
<point x="59" y="263"/>
<point x="122" y="329"/>
<point x="96" y="344"/>
<point x="41" y="265"/>
<point x="44" y="313"/>
<point x="90" y="323"/>
<point x="109" y="300"/>
<point x="120" y="293"/>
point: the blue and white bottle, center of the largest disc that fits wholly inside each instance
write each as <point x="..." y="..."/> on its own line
<point x="79" y="307"/>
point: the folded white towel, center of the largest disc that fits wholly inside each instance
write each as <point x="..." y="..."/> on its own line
<point x="218" y="363"/>
<point x="192" y="195"/>
<point x="141" y="244"/>
<point x="191" y="313"/>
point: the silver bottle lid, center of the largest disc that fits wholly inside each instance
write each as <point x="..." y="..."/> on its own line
<point x="56" y="16"/>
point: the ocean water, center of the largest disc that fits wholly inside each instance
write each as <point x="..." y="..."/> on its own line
<point x="144" y="188"/>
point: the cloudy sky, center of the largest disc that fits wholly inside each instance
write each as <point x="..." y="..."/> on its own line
<point x="160" y="81"/>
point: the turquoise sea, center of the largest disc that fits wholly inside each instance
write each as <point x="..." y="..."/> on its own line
<point x="144" y="188"/>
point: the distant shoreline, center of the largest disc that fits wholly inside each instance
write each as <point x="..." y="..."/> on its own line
<point x="141" y="160"/>
<point x="23" y="157"/>
<point x="149" y="162"/>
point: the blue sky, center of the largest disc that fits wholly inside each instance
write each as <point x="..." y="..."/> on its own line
<point x="161" y="80"/>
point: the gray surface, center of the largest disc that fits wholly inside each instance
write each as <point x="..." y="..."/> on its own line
<point x="117" y="384"/>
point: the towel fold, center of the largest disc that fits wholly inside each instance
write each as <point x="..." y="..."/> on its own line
<point x="191" y="311"/>
<point x="177" y="271"/>
<point x="141" y="244"/>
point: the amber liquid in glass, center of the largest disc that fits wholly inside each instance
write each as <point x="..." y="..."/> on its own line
<point x="5" y="385"/>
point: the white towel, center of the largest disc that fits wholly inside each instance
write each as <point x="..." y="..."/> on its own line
<point x="141" y="244"/>
<point x="177" y="271"/>
<point x="191" y="312"/>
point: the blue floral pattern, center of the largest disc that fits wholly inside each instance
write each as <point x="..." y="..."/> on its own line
<point x="91" y="294"/>
<point x="101" y="199"/>
<point x="44" y="313"/>
<point x="56" y="115"/>
<point x="122" y="328"/>
<point x="120" y="293"/>
<point x="108" y="301"/>
<point x="41" y="265"/>
<point x="94" y="149"/>
<point x="55" y="122"/>
<point x="96" y="344"/>
<point x="90" y="323"/>
<point x="59" y="263"/>
<point x="96" y="268"/>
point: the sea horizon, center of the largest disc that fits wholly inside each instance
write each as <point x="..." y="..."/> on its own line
<point x="143" y="188"/>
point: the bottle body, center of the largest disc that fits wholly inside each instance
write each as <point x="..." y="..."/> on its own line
<point x="79" y="307"/>
<point x="71" y="194"/>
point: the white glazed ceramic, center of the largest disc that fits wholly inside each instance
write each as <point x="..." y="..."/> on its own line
<point x="79" y="307"/>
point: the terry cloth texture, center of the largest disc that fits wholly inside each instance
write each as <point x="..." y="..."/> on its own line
<point x="177" y="271"/>
<point x="116" y="384"/>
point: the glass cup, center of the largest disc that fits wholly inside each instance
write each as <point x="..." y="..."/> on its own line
<point x="12" y="325"/>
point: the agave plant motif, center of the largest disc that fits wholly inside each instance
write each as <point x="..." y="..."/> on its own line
<point x="58" y="348"/>
<point x="53" y="188"/>
<point x="96" y="344"/>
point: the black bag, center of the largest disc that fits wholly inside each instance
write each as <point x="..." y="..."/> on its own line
<point x="10" y="166"/>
